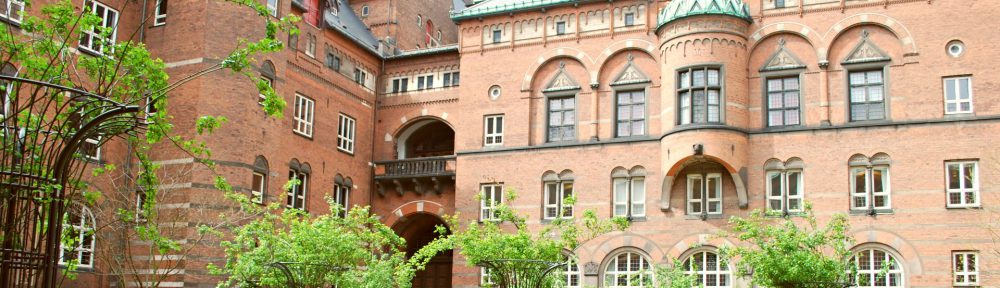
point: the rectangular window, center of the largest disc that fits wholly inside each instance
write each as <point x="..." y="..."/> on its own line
<point x="341" y="196"/>
<point x="360" y="76"/>
<point x="450" y="79"/>
<point x="556" y="196"/>
<point x="957" y="95"/>
<point x="784" y="191"/>
<point x="258" y="189"/>
<point x="704" y="194"/>
<point x="492" y="195"/>
<point x="966" y="268"/>
<point x="102" y="36"/>
<point x="261" y="97"/>
<point x="779" y="3"/>
<point x="562" y="119"/>
<point x="700" y="93"/>
<point x="12" y="11"/>
<point x="329" y="60"/>
<point x="870" y="189"/>
<point x="304" y="115"/>
<point x="425" y="82"/>
<point x="161" y="13"/>
<point x="629" y="196"/>
<point x="446" y="81"/>
<point x="493" y="130"/>
<point x="560" y="28"/>
<point x="272" y="5"/>
<point x="629" y="19"/>
<point x="345" y="134"/>
<point x="311" y="45"/>
<point x="485" y="279"/>
<point x="454" y="78"/>
<point x="399" y="85"/>
<point x="963" y="183"/>
<point x="867" y="95"/>
<point x="783" y="101"/>
<point x="420" y="82"/>
<point x="496" y="36"/>
<point x="140" y="206"/>
<point x="297" y="192"/>
<point x="631" y="113"/>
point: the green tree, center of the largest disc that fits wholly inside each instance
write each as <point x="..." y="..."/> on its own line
<point x="792" y="252"/>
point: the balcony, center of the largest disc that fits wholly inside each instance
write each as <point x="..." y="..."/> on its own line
<point x="426" y="174"/>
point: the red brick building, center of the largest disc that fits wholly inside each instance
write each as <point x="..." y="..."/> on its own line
<point x="676" y="114"/>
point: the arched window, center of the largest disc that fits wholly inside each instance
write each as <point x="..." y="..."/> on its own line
<point x="342" y="193"/>
<point x="79" y="222"/>
<point x="628" y="269"/>
<point x="268" y="74"/>
<point x="784" y="185"/>
<point x="871" y="263"/>
<point x="258" y="190"/>
<point x="571" y="271"/>
<point x="870" y="189"/>
<point x="429" y="28"/>
<point x="629" y="192"/>
<point x="297" y="192"/>
<point x="710" y="269"/>
<point x="558" y="188"/>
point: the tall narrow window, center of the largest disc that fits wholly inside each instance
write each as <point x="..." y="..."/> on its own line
<point x="779" y="3"/>
<point x="867" y="95"/>
<point x="364" y="11"/>
<point x="562" y="119"/>
<point x="783" y="101"/>
<point x="966" y="268"/>
<point x="95" y="40"/>
<point x="876" y="268"/>
<point x="629" y="192"/>
<point x="631" y="113"/>
<point x="560" y="27"/>
<point x="303" y="115"/>
<point x="628" y="269"/>
<point x="493" y="134"/>
<point x="270" y="82"/>
<point x="311" y="45"/>
<point x="870" y="189"/>
<point x="700" y="93"/>
<point x="345" y="134"/>
<point x="258" y="188"/>
<point x="399" y="85"/>
<point x="709" y="270"/>
<point x="496" y="36"/>
<point x="140" y="206"/>
<point x="958" y="95"/>
<point x="557" y="195"/>
<point x="963" y="183"/>
<point x="80" y="223"/>
<point x="784" y="186"/>
<point x="572" y="272"/>
<point x="272" y="5"/>
<point x="485" y="277"/>
<point x="704" y="194"/>
<point x="629" y="19"/>
<point x="492" y="195"/>
<point x="161" y="13"/>
<point x="341" y="196"/>
<point x="297" y="191"/>
<point x="12" y="11"/>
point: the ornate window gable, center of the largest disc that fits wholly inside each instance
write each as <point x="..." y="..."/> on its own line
<point x="630" y="74"/>
<point x="866" y="52"/>
<point x="562" y="81"/>
<point x="782" y="59"/>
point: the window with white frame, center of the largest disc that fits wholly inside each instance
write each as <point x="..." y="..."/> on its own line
<point x="360" y="76"/>
<point x="493" y="130"/>
<point x="560" y="27"/>
<point x="867" y="89"/>
<point x="958" y="95"/>
<point x="272" y="5"/>
<point x="963" y="183"/>
<point x="558" y="201"/>
<point x="562" y="119"/>
<point x="965" y="268"/>
<point x="425" y="82"/>
<point x="345" y="134"/>
<point x="258" y="188"/>
<point x="629" y="192"/>
<point x="492" y="195"/>
<point x="710" y="270"/>
<point x="870" y="188"/>
<point x="364" y="11"/>
<point x="341" y="196"/>
<point x="270" y="82"/>
<point x="400" y="84"/>
<point x="497" y="36"/>
<point x="704" y="194"/>
<point x="631" y="113"/>
<point x="700" y="93"/>
<point x="311" y="45"/>
<point x="877" y="268"/>
<point x="304" y="108"/>
<point x="160" y="16"/>
<point x="783" y="101"/>
<point x="101" y="36"/>
<point x="572" y="273"/>
<point x="12" y="11"/>
<point x="784" y="186"/>
<point x="485" y="277"/>
<point x="628" y="270"/>
<point x="450" y="79"/>
<point x="629" y="19"/>
<point x="151" y="109"/>
<point x="140" y="206"/>
<point x="80" y="225"/>
<point x="297" y="191"/>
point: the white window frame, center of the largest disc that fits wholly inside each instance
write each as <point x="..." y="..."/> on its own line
<point x="342" y="196"/>
<point x="272" y="5"/>
<point x="304" y="113"/>
<point x="558" y="206"/>
<point x="493" y="132"/>
<point x="573" y="274"/>
<point x="873" y="272"/>
<point x="160" y="14"/>
<point x="485" y="279"/>
<point x="633" y="204"/>
<point x="262" y="97"/>
<point x="962" y="191"/>
<point x="703" y="274"/>
<point x="492" y="195"/>
<point x="704" y="202"/>
<point x="957" y="102"/>
<point x="345" y="133"/>
<point x="960" y="267"/>
<point x="297" y="200"/>
<point x="311" y="45"/>
<point x="869" y="195"/>
<point x="85" y="226"/>
<point x="259" y="180"/>
<point x="92" y="36"/>
<point x="784" y="196"/>
<point x="140" y="203"/>
<point x="365" y="10"/>
<point x="14" y="11"/>
<point x="612" y="274"/>
<point x="425" y="82"/>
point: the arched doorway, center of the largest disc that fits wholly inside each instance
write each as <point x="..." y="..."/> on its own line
<point x="426" y="138"/>
<point x="419" y="230"/>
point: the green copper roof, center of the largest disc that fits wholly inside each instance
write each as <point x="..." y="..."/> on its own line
<point x="678" y="9"/>
<point x="493" y="7"/>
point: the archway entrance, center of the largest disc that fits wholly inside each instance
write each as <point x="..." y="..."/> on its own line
<point x="418" y="230"/>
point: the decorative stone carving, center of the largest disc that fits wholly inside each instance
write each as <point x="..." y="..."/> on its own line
<point x="782" y="59"/>
<point x="866" y="51"/>
<point x="562" y="81"/>
<point x="630" y="74"/>
<point x="590" y="269"/>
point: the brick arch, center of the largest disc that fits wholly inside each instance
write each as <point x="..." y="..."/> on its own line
<point x="678" y="166"/>
<point x="417" y="116"/>
<point x="554" y="54"/>
<point x="412" y="208"/>
<point x="913" y="264"/>
<point x="894" y="26"/>
<point x="598" y="249"/>
<point x="617" y="48"/>
<point x="780" y="28"/>
<point x="694" y="241"/>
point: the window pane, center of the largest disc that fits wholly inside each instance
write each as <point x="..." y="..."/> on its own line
<point x="775" y="118"/>
<point x="857" y="94"/>
<point x="624" y="112"/>
<point x="624" y="98"/>
<point x="555" y="118"/>
<point x="791" y="99"/>
<point x="949" y="89"/>
<point x="569" y="103"/>
<point x="792" y="117"/>
<point x="638" y="128"/>
<point x="857" y="78"/>
<point x="953" y="177"/>
<point x="875" y="93"/>
<point x="874" y="77"/>
<point x="638" y="111"/>
<point x="969" y="175"/>
<point x="775" y="100"/>
<point x="775" y="184"/>
<point x="774" y="85"/>
<point x="684" y="81"/>
<point x="963" y="88"/>
<point x="699" y="78"/>
<point x="555" y="104"/>
<point x="792" y="83"/>
<point x="713" y="77"/>
<point x="877" y="181"/>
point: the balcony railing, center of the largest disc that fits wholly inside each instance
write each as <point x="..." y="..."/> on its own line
<point x="418" y="167"/>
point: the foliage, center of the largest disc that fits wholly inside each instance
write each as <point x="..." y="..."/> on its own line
<point x="320" y="251"/>
<point x="784" y="253"/>
<point x="674" y="276"/>
<point x="509" y="239"/>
